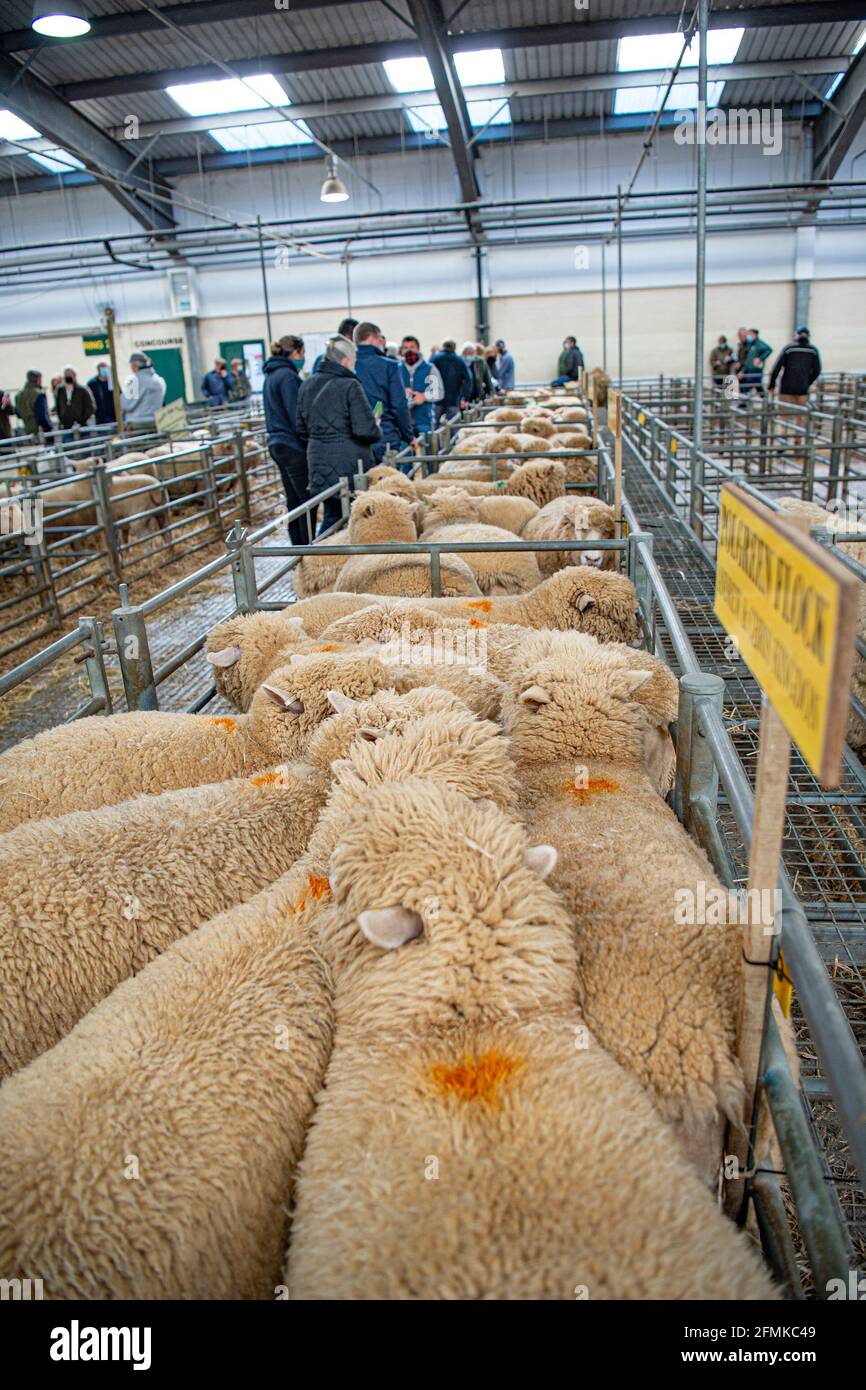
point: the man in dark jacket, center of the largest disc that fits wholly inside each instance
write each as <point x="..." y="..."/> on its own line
<point x="751" y="372"/>
<point x="217" y="385"/>
<point x="99" y="387"/>
<point x="288" y="451"/>
<point x="73" y="404"/>
<point x="570" y="362"/>
<point x="380" y="377"/>
<point x="798" y="364"/>
<point x="457" y="379"/>
<point x="346" y="329"/>
<point x="337" y="425"/>
<point x="505" y="369"/>
<point x="31" y="406"/>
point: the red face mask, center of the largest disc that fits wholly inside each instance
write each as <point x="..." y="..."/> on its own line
<point x="410" y="358"/>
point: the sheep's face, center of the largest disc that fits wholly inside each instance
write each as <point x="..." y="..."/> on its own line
<point x="368" y="720"/>
<point x="592" y="523"/>
<point x="440" y="916"/>
<point x="447" y="505"/>
<point x="380" y="516"/>
<point x="243" y="650"/>
<point x="295" y="698"/>
<point x="604" y="605"/>
<point x="555" y="709"/>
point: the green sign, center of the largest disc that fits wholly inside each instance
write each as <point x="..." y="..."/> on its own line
<point x="95" y="347"/>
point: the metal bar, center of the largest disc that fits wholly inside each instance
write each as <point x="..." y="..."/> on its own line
<point x="701" y="227"/>
<point x="264" y="281"/>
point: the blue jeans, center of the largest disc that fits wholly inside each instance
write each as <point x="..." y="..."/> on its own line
<point x="563" y="380"/>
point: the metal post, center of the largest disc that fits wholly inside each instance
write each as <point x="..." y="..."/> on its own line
<point x="41" y="561"/>
<point x="243" y="570"/>
<point x="345" y="496"/>
<point x="133" y="653"/>
<point x="835" y="453"/>
<point x="115" y="382"/>
<point x="481" y="308"/>
<point x="619" y="276"/>
<point x="264" y="279"/>
<point x="103" y="511"/>
<point x="210" y="488"/>
<point x="243" y="480"/>
<point x="435" y="573"/>
<point x="697" y="775"/>
<point x="701" y="227"/>
<point x="603" y="309"/>
<point x="809" y="457"/>
<point x="94" y="665"/>
<point x="362" y="482"/>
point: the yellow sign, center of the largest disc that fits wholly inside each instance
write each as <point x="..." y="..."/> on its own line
<point x="783" y="986"/>
<point x="614" y="413"/>
<point x="171" y="417"/>
<point x="674" y="447"/>
<point x="792" y="611"/>
<point x="641" y="418"/>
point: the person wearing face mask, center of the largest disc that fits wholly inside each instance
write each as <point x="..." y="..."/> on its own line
<point x="570" y="362"/>
<point x="99" y="387"/>
<point x="482" y="381"/>
<point x="751" y="372"/>
<point x="505" y="369"/>
<point x="73" y="405"/>
<point x="422" y="384"/>
<point x="380" y="377"/>
<point x="286" y="447"/>
<point x="457" y="379"/>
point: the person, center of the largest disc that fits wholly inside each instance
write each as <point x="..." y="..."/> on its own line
<point x="482" y="381"/>
<point x="491" y="357"/>
<point x="796" y="368"/>
<point x="721" y="361"/>
<point x="31" y="405"/>
<point x="73" y="405"/>
<point x="7" y="410"/>
<point x="337" y="425"/>
<point x="457" y="381"/>
<point x="345" y="330"/>
<point x="505" y="369"/>
<point x="380" y="377"/>
<point x="742" y="346"/>
<point x="241" y="388"/>
<point x="570" y="362"/>
<point x="143" y="393"/>
<point x="422" y="384"/>
<point x="99" y="387"/>
<point x="751" y="372"/>
<point x="217" y="384"/>
<point x="280" y="399"/>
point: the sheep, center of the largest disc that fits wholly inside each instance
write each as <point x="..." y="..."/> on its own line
<point x="574" y="439"/>
<point x="506" y="415"/>
<point x="430" y="486"/>
<point x="121" y="883"/>
<point x="399" y="485"/>
<point x="578" y="726"/>
<point x="374" y="517"/>
<point x="539" y="424"/>
<point x="602" y="382"/>
<point x="574" y="519"/>
<point x="407" y="575"/>
<point x="603" y="604"/>
<point x="540" y="482"/>
<point x="571" y="414"/>
<point x="78" y="494"/>
<point x="452" y="504"/>
<point x="460" y="1044"/>
<point x="495" y="572"/>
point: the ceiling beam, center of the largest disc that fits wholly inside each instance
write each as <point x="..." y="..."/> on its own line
<point x="37" y="104"/>
<point x="581" y="31"/>
<point x="521" y="131"/>
<point x="837" y="128"/>
<point x="430" y="26"/>
<point x="529" y="88"/>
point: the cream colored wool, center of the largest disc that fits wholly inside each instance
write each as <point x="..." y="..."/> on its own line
<point x="574" y="439"/>
<point x="525" y="442"/>
<point x="569" y="414"/>
<point x="581" y="470"/>
<point x="241" y="1008"/>
<point x="245" y="648"/>
<point x="495" y="572"/>
<point x="245" y="999"/>
<point x="405" y="575"/>
<point x="573" y="518"/>
<point x="489" y="979"/>
<point x="452" y="504"/>
<point x="398" y="484"/>
<point x="507" y="511"/>
<point x="539" y="482"/>
<point x="122" y="883"/>
<point x="579" y="598"/>
<point x="538" y="424"/>
<point x="602" y="382"/>
<point x="373" y="518"/>
<point x="661" y="996"/>
<point x="430" y="486"/>
<point x="506" y="414"/>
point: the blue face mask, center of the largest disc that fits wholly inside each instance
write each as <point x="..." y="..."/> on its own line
<point x="299" y="362"/>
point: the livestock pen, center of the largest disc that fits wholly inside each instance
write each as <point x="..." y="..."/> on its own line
<point x="716" y="747"/>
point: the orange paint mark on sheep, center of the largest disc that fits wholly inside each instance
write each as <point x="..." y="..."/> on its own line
<point x="223" y="721"/>
<point x="596" y="786"/>
<point x="483" y="603"/>
<point x="329" y="647"/>
<point x="476" y="622"/>
<point x="268" y="779"/>
<point x="319" y="887"/>
<point x="475" y="1078"/>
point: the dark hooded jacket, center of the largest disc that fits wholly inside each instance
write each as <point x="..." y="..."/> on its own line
<point x="379" y="375"/>
<point x="280" y="400"/>
<point x="337" y="425"/>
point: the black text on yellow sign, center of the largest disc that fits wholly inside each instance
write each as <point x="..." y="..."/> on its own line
<point x="792" y="611"/>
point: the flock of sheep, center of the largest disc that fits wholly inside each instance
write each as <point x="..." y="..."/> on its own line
<point x="374" y="988"/>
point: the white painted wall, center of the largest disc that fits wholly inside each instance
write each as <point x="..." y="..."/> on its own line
<point x="536" y="292"/>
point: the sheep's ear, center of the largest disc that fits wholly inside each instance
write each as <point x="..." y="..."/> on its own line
<point x="287" y="702"/>
<point x="631" y="681"/>
<point x="297" y="658"/>
<point x="535" y="696"/>
<point x="339" y="702"/>
<point x="584" y="602"/>
<point x="370" y="735"/>
<point x="541" y="859"/>
<point x="390" y="927"/>
<point x="226" y="656"/>
<point x="297" y="626"/>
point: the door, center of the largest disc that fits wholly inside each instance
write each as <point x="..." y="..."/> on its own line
<point x="168" y="364"/>
<point x="253" y="355"/>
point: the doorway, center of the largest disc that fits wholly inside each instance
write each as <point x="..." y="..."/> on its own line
<point x="253" y="354"/>
<point x="168" y="363"/>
